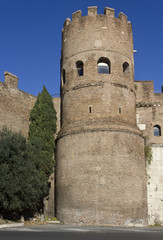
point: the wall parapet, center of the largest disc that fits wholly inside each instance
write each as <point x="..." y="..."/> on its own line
<point x="109" y="11"/>
<point x="92" y="12"/>
<point x="76" y="15"/>
<point x="11" y="80"/>
<point x="122" y="16"/>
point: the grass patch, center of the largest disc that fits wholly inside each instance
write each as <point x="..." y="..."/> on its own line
<point x="51" y="219"/>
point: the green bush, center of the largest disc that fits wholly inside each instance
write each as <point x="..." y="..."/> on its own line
<point x="21" y="184"/>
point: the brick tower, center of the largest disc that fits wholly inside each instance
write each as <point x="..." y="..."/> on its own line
<point x="100" y="172"/>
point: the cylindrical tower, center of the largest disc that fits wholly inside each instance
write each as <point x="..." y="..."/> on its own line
<point x="100" y="172"/>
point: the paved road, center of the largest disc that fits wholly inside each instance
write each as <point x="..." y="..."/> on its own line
<point x="50" y="232"/>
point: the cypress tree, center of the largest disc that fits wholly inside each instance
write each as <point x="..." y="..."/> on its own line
<point x="41" y="133"/>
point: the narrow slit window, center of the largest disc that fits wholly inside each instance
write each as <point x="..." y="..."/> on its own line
<point x="120" y="110"/>
<point x="157" y="130"/>
<point x="80" y="68"/>
<point x="64" y="76"/>
<point x="90" y="109"/>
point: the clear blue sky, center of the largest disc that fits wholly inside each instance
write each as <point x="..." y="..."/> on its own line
<point x="30" y="38"/>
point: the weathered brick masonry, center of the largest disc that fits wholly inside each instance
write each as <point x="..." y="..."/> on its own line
<point x="101" y="178"/>
<point x="105" y="118"/>
<point x="149" y="107"/>
<point x="15" y="105"/>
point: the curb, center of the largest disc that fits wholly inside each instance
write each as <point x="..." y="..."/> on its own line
<point x="53" y="222"/>
<point x="10" y="225"/>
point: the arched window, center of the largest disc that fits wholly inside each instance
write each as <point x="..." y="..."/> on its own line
<point x="126" y="67"/>
<point x="103" y="65"/>
<point x="157" y="130"/>
<point x="80" y="70"/>
<point x="64" y="76"/>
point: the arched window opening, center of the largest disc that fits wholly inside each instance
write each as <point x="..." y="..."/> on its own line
<point x="126" y="67"/>
<point x="64" y="76"/>
<point x="80" y="70"/>
<point x="157" y="130"/>
<point x="103" y="65"/>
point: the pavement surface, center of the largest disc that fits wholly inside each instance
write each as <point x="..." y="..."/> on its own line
<point x="10" y="225"/>
<point x="71" y="232"/>
<point x="75" y="228"/>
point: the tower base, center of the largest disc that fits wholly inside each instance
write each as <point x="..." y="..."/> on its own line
<point x="101" y="180"/>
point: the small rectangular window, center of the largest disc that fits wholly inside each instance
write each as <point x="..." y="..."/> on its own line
<point x="90" y="109"/>
<point x="120" y="110"/>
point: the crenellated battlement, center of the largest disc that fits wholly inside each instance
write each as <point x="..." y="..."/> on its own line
<point x="109" y="11"/>
<point x="92" y="12"/>
<point x="122" y="16"/>
<point x="76" y="15"/>
<point x="67" y="21"/>
<point x="84" y="33"/>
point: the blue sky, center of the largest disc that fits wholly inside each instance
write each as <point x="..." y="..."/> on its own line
<point x="30" y="38"/>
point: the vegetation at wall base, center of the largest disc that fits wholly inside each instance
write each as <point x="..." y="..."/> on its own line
<point x="25" y="166"/>
<point x="21" y="185"/>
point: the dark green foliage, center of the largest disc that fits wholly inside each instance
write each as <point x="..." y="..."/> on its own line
<point x="25" y="167"/>
<point x="41" y="133"/>
<point x="20" y="182"/>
